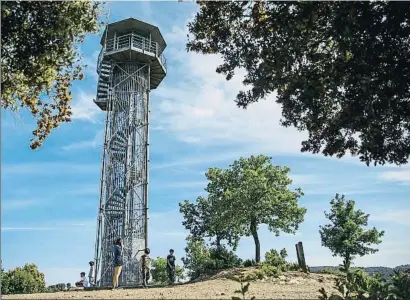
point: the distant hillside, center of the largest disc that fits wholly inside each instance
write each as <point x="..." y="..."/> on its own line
<point x="385" y="271"/>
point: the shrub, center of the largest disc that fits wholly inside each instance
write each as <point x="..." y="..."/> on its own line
<point x="159" y="271"/>
<point x="400" y="284"/>
<point x="332" y="271"/>
<point x="270" y="271"/>
<point x="292" y="266"/>
<point x="275" y="259"/>
<point x="222" y="258"/>
<point x="197" y="259"/>
<point x="25" y="280"/>
<point x="249" y="263"/>
<point x="358" y="285"/>
<point x="201" y="260"/>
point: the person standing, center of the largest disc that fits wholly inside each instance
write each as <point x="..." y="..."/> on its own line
<point x="171" y="266"/>
<point x="145" y="267"/>
<point x="118" y="262"/>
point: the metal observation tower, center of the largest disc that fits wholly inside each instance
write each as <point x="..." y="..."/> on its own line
<point x="130" y="64"/>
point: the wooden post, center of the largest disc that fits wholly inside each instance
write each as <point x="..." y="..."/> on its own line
<point x="301" y="256"/>
<point x="298" y="255"/>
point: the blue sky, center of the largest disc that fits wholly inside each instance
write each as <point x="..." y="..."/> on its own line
<point x="50" y="196"/>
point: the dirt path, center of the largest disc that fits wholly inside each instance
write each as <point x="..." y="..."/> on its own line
<point x="292" y="285"/>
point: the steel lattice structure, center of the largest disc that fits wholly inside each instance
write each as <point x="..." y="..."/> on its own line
<point x="129" y="66"/>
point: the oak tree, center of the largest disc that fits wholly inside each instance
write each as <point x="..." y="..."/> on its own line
<point x="259" y="193"/>
<point x="209" y="216"/>
<point x="347" y="236"/>
<point x="341" y="69"/>
<point x="40" y="57"/>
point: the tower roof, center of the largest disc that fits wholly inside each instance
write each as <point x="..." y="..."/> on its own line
<point x="125" y="26"/>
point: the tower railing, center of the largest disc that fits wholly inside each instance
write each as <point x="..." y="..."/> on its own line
<point x="128" y="41"/>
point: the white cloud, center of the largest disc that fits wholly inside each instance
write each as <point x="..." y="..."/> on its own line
<point x="84" y="108"/>
<point x="86" y="144"/>
<point x="180" y="184"/>
<point x="401" y="217"/>
<point x="305" y="179"/>
<point x="200" y="108"/>
<point x="67" y="225"/>
<point x="12" y="205"/>
<point x="47" y="168"/>
<point x="91" y="63"/>
<point x="402" y="176"/>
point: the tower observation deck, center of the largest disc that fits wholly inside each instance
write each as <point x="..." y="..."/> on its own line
<point x="130" y="64"/>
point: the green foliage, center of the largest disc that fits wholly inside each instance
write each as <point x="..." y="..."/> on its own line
<point x="346" y="235"/>
<point x="201" y="260"/>
<point x="223" y="258"/>
<point x="197" y="259"/>
<point x="68" y="285"/>
<point x="249" y="263"/>
<point x="332" y="271"/>
<point x="244" y="287"/>
<point x="293" y="266"/>
<point x="40" y="57"/>
<point x="207" y="217"/>
<point x="250" y="193"/>
<point x="159" y="271"/>
<point x="5" y="282"/>
<point x="340" y="69"/>
<point x="25" y="280"/>
<point x="400" y="285"/>
<point x="271" y="271"/>
<point x="275" y="259"/>
<point x="358" y="285"/>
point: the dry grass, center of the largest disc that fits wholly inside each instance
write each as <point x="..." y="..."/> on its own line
<point x="291" y="285"/>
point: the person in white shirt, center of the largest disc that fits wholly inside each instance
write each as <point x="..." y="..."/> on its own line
<point x="83" y="281"/>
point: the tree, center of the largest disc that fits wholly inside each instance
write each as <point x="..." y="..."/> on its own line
<point x="255" y="192"/>
<point x="341" y="70"/>
<point x="25" y="280"/>
<point x="346" y="235"/>
<point x="208" y="217"/>
<point x="5" y="282"/>
<point x="259" y="194"/>
<point x="160" y="273"/>
<point x="40" y="58"/>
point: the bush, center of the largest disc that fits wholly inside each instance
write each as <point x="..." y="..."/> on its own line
<point x="332" y="271"/>
<point x="400" y="284"/>
<point x="358" y="285"/>
<point x="222" y="258"/>
<point x="198" y="258"/>
<point x="292" y="266"/>
<point x="25" y="280"/>
<point x="202" y="260"/>
<point x="270" y="271"/>
<point x="159" y="271"/>
<point x="275" y="259"/>
<point x="249" y="263"/>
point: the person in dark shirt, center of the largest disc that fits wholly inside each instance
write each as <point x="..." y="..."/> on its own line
<point x="145" y="267"/>
<point x="118" y="262"/>
<point x="91" y="273"/>
<point x="171" y="266"/>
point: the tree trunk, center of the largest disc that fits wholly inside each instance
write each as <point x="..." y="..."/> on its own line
<point x="346" y="262"/>
<point x="254" y="231"/>
<point x="218" y="242"/>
